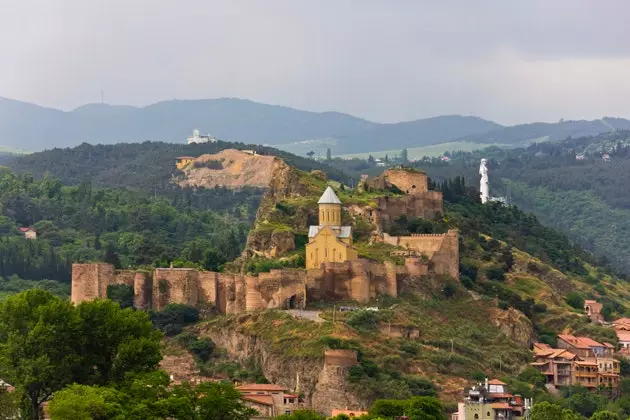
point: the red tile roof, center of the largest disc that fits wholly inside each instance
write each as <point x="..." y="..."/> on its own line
<point x="259" y="399"/>
<point x="501" y="406"/>
<point x="496" y="382"/>
<point x="580" y="342"/>
<point x="26" y="229"/>
<point x="261" y="387"/>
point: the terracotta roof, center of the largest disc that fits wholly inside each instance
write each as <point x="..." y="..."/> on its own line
<point x="291" y="396"/>
<point x="329" y="197"/>
<point x="261" y="387"/>
<point x="26" y="229"/>
<point x="501" y="406"/>
<point x="496" y="382"/>
<point x="621" y="321"/>
<point x="500" y="395"/>
<point x="259" y="399"/>
<point x="580" y="342"/>
<point x="586" y="363"/>
<point x="623" y="336"/>
<point x="610" y="346"/>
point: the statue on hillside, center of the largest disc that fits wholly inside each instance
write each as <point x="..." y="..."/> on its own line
<point x="484" y="187"/>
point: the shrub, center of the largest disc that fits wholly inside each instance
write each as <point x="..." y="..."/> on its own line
<point x="121" y="293"/>
<point x="467" y="282"/>
<point x="363" y="320"/>
<point x="503" y="305"/>
<point x="202" y="348"/>
<point x="172" y="319"/>
<point x="495" y="272"/>
<point x="540" y="308"/>
<point x="469" y="270"/>
<point x="575" y="300"/>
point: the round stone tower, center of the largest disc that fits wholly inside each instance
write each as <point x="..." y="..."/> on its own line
<point x="329" y="209"/>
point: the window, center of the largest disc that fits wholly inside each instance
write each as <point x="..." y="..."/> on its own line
<point x="476" y="416"/>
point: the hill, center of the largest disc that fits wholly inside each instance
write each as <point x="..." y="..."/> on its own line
<point x="435" y="337"/>
<point x="147" y="166"/>
<point x="32" y="127"/>
<point x="525" y="134"/>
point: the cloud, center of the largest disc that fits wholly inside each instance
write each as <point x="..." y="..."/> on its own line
<point x="386" y="61"/>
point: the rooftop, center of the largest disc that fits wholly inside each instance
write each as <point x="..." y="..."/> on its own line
<point x="580" y="342"/>
<point x="329" y="197"/>
<point x="341" y="231"/>
<point x="261" y="387"/>
<point x="259" y="399"/>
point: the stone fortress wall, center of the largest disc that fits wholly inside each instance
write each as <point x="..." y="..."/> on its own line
<point x="359" y="280"/>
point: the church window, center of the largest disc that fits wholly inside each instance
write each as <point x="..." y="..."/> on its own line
<point x="326" y="253"/>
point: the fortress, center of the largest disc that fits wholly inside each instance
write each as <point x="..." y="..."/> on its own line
<point x="333" y="270"/>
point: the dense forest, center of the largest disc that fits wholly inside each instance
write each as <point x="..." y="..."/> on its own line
<point x="147" y="166"/>
<point x="82" y="223"/>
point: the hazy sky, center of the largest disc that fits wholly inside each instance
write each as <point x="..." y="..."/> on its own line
<point x="510" y="61"/>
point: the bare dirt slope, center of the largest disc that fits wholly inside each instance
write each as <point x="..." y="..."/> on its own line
<point x="230" y="168"/>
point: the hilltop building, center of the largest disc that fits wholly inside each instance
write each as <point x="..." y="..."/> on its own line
<point x="329" y="241"/>
<point x="196" y="138"/>
<point x="490" y="401"/>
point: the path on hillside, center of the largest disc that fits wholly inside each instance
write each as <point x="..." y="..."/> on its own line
<point x="310" y="315"/>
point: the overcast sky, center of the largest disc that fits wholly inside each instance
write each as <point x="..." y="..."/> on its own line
<point x="389" y="60"/>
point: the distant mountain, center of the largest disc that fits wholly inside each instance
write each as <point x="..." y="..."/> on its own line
<point x="33" y="127"/>
<point x="528" y="133"/>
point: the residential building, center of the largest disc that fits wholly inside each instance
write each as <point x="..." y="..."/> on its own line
<point x="29" y="233"/>
<point x="196" y="138"/>
<point x="587" y="363"/>
<point x="329" y="241"/>
<point x="624" y="341"/>
<point x="584" y="346"/>
<point x="593" y="309"/>
<point x="491" y="401"/>
<point x="269" y="400"/>
<point x="182" y="161"/>
<point x="555" y="364"/>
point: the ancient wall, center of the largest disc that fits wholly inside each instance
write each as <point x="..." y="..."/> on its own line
<point x="142" y="291"/>
<point x="425" y="205"/>
<point x="408" y="181"/>
<point x="175" y="285"/>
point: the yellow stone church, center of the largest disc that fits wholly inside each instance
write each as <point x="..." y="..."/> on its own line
<point x="329" y="241"/>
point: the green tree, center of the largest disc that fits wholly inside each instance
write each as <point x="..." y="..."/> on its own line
<point x="40" y="345"/>
<point x="546" y="411"/>
<point x="121" y="294"/>
<point x="404" y="156"/>
<point x="301" y="415"/>
<point x="83" y="402"/>
<point x="605" y="415"/>
<point x="575" y="300"/>
<point x="9" y="404"/>
<point x="533" y="376"/>
<point x="425" y="408"/>
<point x="387" y="408"/>
<point x="117" y="341"/>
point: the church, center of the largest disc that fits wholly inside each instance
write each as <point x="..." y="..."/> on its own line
<point x="329" y="241"/>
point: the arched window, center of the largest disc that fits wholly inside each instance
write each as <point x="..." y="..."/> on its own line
<point x="476" y="416"/>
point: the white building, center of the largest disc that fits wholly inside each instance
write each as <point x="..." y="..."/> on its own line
<point x="196" y="138"/>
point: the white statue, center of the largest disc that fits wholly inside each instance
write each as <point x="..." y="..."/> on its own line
<point x="484" y="187"/>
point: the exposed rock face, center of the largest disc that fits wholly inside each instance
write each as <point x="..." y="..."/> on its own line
<point x="323" y="384"/>
<point x="232" y="169"/>
<point x="513" y="324"/>
<point x="271" y="243"/>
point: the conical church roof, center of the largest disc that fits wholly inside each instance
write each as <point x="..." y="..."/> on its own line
<point x="329" y="197"/>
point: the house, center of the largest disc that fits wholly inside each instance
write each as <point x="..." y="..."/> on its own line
<point x="197" y="139"/>
<point x="584" y="346"/>
<point x="624" y="341"/>
<point x="29" y="233"/>
<point x="182" y="161"/>
<point x="594" y="310"/>
<point x="490" y="401"/>
<point x="329" y="241"/>
<point x="269" y="400"/>
<point x="555" y="364"/>
<point x="349" y="413"/>
<point x="587" y="363"/>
